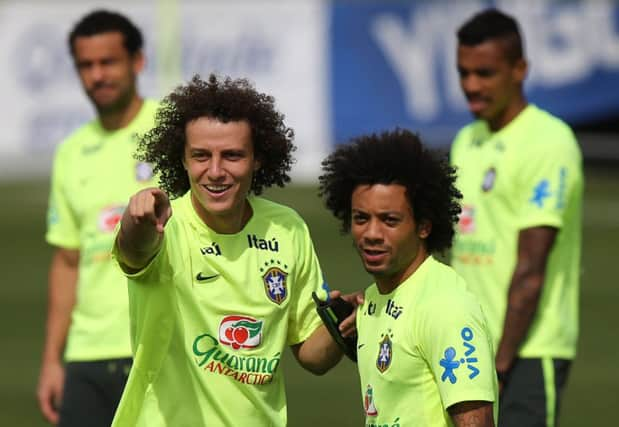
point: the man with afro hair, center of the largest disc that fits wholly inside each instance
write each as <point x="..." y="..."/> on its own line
<point x="424" y="351"/>
<point x="220" y="281"/>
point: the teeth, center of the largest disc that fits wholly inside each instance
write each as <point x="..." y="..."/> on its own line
<point x="216" y="188"/>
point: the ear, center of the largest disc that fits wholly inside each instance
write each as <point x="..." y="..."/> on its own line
<point x="138" y="61"/>
<point x="520" y="70"/>
<point x="424" y="228"/>
<point x="257" y="165"/>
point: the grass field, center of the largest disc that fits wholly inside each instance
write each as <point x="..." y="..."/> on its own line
<point x="334" y="399"/>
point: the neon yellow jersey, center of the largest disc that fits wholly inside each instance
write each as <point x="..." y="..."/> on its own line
<point x="211" y="316"/>
<point x="422" y="348"/>
<point x="94" y="175"/>
<point x="528" y="174"/>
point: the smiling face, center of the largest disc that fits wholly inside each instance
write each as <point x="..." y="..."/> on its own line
<point x="220" y="163"/>
<point x="390" y="242"/>
<point x="492" y="84"/>
<point x="107" y="70"/>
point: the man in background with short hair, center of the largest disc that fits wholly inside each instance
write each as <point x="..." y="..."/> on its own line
<point x="520" y="172"/>
<point x="87" y="353"/>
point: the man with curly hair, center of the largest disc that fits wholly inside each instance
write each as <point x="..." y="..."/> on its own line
<point x="220" y="280"/>
<point x="424" y="351"/>
<point x="87" y="353"/>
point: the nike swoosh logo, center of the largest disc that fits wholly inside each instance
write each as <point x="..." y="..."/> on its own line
<point x="360" y="345"/>
<point x="201" y="278"/>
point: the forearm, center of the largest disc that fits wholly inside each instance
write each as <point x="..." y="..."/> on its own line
<point x="523" y="300"/>
<point x="534" y="246"/>
<point x="472" y="414"/>
<point x="62" y="290"/>
<point x="137" y="243"/>
<point x="319" y="353"/>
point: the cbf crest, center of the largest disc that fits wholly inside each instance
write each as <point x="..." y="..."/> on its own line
<point x="143" y="171"/>
<point x="385" y="353"/>
<point x="275" y="281"/>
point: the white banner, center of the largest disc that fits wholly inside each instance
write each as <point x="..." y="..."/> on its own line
<point x="279" y="47"/>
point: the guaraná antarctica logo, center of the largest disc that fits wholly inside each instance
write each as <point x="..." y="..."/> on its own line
<point x="109" y="217"/>
<point x="252" y="370"/>
<point x="466" y="222"/>
<point x="240" y="331"/>
<point x="368" y="402"/>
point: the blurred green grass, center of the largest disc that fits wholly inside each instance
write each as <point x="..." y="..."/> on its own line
<point x="334" y="399"/>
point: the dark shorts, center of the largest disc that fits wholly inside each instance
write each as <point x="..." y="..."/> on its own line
<point x="92" y="391"/>
<point x="533" y="391"/>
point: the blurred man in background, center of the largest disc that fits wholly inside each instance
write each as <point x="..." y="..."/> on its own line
<point x="93" y="175"/>
<point x="518" y="247"/>
<point x="424" y="350"/>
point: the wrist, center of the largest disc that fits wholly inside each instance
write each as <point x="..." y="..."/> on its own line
<point x="503" y="376"/>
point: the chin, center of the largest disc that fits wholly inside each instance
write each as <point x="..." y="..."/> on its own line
<point x="374" y="270"/>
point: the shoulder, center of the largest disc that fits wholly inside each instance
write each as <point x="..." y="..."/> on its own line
<point x="76" y="139"/>
<point x="465" y="135"/>
<point x="445" y="292"/>
<point x="150" y="107"/>
<point x="276" y="214"/>
<point x="550" y="133"/>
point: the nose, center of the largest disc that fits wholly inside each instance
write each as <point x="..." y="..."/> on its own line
<point x="96" y="73"/>
<point x="470" y="84"/>
<point x="373" y="232"/>
<point x="215" y="170"/>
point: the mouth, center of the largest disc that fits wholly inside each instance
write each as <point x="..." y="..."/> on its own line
<point x="373" y="255"/>
<point x="216" y="189"/>
<point x="477" y="104"/>
<point x="103" y="92"/>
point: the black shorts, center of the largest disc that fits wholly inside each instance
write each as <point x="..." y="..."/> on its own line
<point x="532" y="393"/>
<point x="92" y="391"/>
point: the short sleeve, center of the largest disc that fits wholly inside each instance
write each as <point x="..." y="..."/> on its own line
<point x="549" y="175"/>
<point x="159" y="269"/>
<point x="303" y="319"/>
<point x="62" y="221"/>
<point x="457" y="347"/>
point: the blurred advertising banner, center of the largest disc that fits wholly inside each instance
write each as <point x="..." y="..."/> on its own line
<point x="394" y="63"/>
<point x="280" y="47"/>
<point x="336" y="68"/>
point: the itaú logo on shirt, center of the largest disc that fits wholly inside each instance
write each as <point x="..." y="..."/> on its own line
<point x="240" y="331"/>
<point x="109" y="217"/>
<point x="466" y="224"/>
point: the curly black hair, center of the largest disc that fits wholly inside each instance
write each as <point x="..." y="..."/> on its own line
<point x="395" y="157"/>
<point x="104" y="21"/>
<point x="224" y="100"/>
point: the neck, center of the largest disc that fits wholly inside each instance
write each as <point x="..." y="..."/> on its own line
<point x="224" y="224"/>
<point x="118" y="119"/>
<point x="510" y="113"/>
<point x="387" y="284"/>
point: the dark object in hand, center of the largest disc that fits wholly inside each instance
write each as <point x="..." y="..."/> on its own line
<point x="332" y="313"/>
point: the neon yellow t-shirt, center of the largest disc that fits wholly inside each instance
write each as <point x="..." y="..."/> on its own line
<point x="211" y="316"/>
<point x="422" y="348"/>
<point x="94" y="175"/>
<point x="528" y="174"/>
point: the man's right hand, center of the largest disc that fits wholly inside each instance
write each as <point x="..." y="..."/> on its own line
<point x="150" y="206"/>
<point x="141" y="228"/>
<point x="49" y="390"/>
